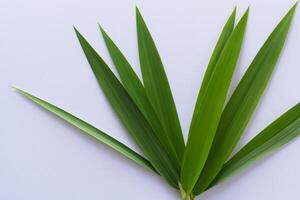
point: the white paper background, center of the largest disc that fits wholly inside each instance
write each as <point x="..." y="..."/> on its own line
<point x="42" y="157"/>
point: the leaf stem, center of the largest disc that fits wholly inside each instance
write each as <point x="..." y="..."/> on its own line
<point x="188" y="197"/>
<point x="184" y="195"/>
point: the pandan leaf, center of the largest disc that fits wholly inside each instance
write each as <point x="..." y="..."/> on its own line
<point x="137" y="92"/>
<point x="204" y="124"/>
<point x="92" y="131"/>
<point x="130" y="115"/>
<point x="148" y="112"/>
<point x="276" y="135"/>
<point x="225" y="34"/>
<point x="157" y="86"/>
<point x="243" y="102"/>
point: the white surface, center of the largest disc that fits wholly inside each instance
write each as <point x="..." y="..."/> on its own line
<point x="42" y="157"/>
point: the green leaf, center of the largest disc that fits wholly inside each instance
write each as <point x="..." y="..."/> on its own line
<point x="134" y="121"/>
<point x="157" y="86"/>
<point x="137" y="92"/>
<point x="277" y="134"/>
<point x="226" y="32"/>
<point x="204" y="124"/>
<point x="92" y="131"/>
<point x="243" y="102"/>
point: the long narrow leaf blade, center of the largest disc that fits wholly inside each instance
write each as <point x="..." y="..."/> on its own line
<point x="204" y="124"/>
<point x="276" y="135"/>
<point x="243" y="102"/>
<point x="157" y="86"/>
<point x="91" y="130"/>
<point x="130" y="115"/>
<point x="226" y="32"/>
<point x="137" y="92"/>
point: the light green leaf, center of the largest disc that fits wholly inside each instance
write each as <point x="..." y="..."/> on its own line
<point x="91" y="130"/>
<point x="204" y="124"/>
<point x="137" y="92"/>
<point x="226" y="32"/>
<point x="277" y="134"/>
<point x="243" y="102"/>
<point x="133" y="120"/>
<point x="157" y="86"/>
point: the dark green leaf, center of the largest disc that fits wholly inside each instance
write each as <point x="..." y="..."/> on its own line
<point x="137" y="92"/>
<point x="157" y="86"/>
<point x="204" y="124"/>
<point x="136" y="124"/>
<point x="243" y="102"/>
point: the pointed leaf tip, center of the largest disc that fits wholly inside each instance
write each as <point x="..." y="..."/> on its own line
<point x="246" y="14"/>
<point x="295" y="5"/>
<point x="75" y="29"/>
<point x="100" y="27"/>
<point x="234" y="10"/>
<point x="137" y="11"/>
<point x="78" y="34"/>
<point x="103" y="32"/>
